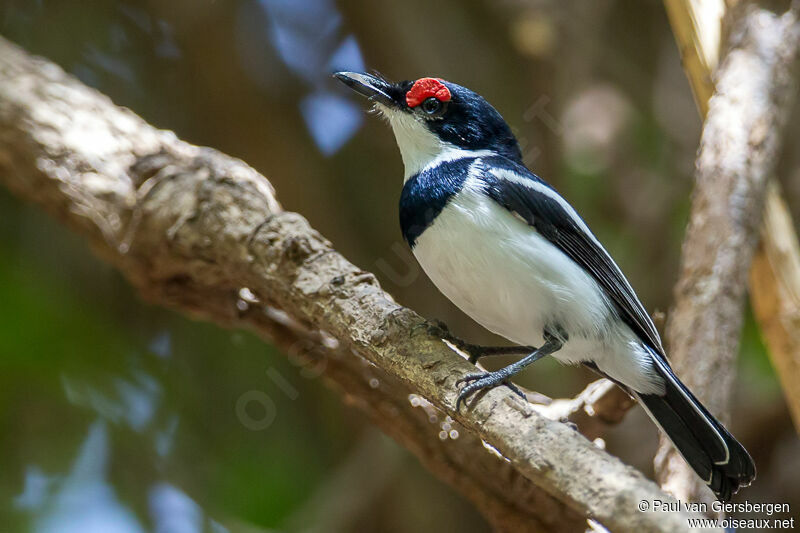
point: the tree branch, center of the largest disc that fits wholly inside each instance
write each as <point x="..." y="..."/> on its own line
<point x="775" y="270"/>
<point x="738" y="151"/>
<point x="192" y="228"/>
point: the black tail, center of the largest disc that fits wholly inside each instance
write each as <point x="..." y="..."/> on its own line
<point x="706" y="445"/>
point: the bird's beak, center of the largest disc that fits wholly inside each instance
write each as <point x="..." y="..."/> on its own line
<point x="372" y="87"/>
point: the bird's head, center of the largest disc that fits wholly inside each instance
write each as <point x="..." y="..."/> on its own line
<point x="433" y="118"/>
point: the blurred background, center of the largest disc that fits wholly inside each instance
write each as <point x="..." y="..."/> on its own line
<point x="120" y="417"/>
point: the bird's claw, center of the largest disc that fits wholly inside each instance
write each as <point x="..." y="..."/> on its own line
<point x="483" y="380"/>
<point x="439" y="327"/>
<point x="516" y="390"/>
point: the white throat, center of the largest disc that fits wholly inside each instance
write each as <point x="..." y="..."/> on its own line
<point x="420" y="148"/>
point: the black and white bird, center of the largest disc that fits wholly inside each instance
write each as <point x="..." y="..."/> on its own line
<point x="510" y="252"/>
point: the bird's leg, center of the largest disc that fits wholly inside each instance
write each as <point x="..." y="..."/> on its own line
<point x="489" y="380"/>
<point x="475" y="351"/>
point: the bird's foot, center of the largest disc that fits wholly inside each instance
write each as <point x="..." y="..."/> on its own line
<point x="484" y="381"/>
<point x="476" y="382"/>
<point x="437" y="328"/>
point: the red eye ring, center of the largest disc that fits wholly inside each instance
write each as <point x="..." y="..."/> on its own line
<point x="425" y="88"/>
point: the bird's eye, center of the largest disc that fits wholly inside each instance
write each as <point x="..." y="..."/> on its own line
<point x="432" y="106"/>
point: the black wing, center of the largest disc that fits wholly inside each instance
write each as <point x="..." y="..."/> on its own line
<point x="519" y="190"/>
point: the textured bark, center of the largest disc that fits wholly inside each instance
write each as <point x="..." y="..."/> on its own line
<point x="738" y="151"/>
<point x="775" y="271"/>
<point x="192" y="228"/>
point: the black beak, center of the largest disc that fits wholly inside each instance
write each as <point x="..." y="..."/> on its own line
<point x="368" y="85"/>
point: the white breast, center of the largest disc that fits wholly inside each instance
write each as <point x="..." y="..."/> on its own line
<point x="506" y="276"/>
<point x="514" y="282"/>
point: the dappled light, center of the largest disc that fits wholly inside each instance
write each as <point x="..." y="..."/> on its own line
<point x="199" y="342"/>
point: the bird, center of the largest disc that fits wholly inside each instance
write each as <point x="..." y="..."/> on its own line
<point x="508" y="250"/>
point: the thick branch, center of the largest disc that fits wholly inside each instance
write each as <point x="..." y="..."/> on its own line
<point x="191" y="228"/>
<point x="738" y="151"/>
<point x="775" y="271"/>
<point x="698" y="30"/>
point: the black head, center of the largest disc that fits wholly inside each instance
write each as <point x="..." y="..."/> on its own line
<point x="453" y="114"/>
